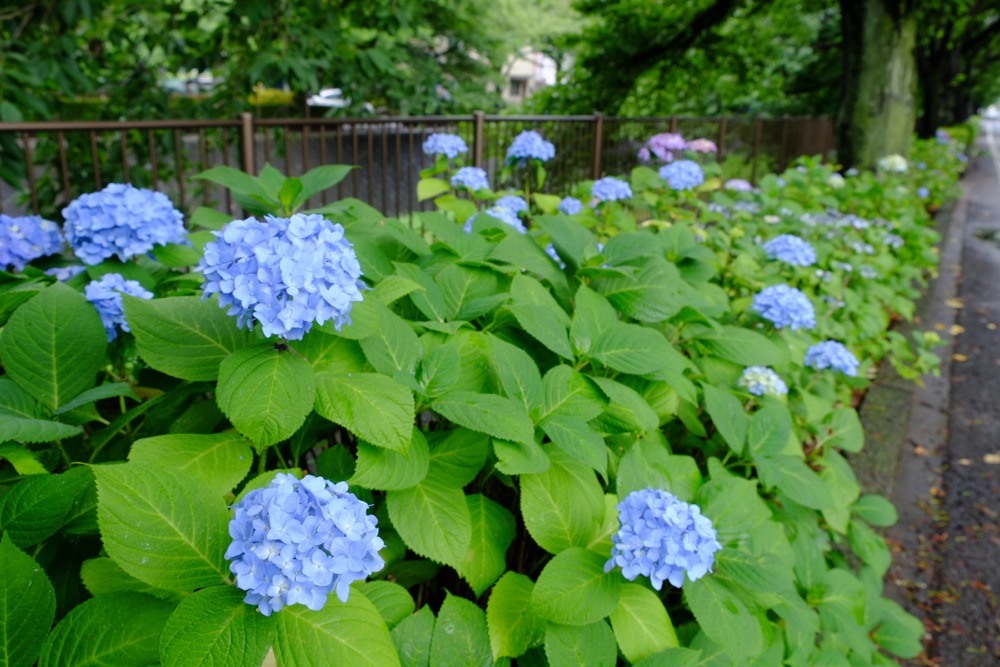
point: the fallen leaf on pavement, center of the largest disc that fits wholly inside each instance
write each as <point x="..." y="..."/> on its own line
<point x="991" y="458"/>
<point x="954" y="303"/>
<point x="960" y="357"/>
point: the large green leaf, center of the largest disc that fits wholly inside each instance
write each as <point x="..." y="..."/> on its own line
<point x="494" y="415"/>
<point x="184" y="336"/>
<point x="460" y="635"/>
<point x="876" y="510"/>
<point x="342" y="633"/>
<point x="384" y="469"/>
<point x="239" y="182"/>
<point x="392" y="600"/>
<point x="513" y="626"/>
<point x="728" y="415"/>
<point x="724" y="617"/>
<point x="21" y="429"/>
<point x="579" y="441"/>
<point x="567" y="393"/>
<point x="654" y="294"/>
<point x="108" y="631"/>
<point x="590" y="645"/>
<point x="539" y="314"/>
<point x="374" y="407"/>
<point x="733" y="505"/>
<point x="266" y="393"/>
<point x="39" y="505"/>
<point x="801" y="482"/>
<point x="627" y="411"/>
<point x="52" y="361"/>
<point x="27" y="606"/>
<point x="769" y="429"/>
<point x="221" y="460"/>
<point x="216" y="627"/>
<point x="741" y="346"/>
<point x="564" y="506"/>
<point x="492" y="533"/>
<point x="641" y="623"/>
<point x="413" y="638"/>
<point x="393" y="347"/>
<point x="574" y="589"/>
<point x="102" y="576"/>
<point x="457" y="455"/>
<point x="517" y="372"/>
<point x="842" y="428"/>
<point x="631" y="348"/>
<point x="898" y="631"/>
<point x="433" y="519"/>
<point x="648" y="463"/>
<point x="23" y="459"/>
<point x="161" y="526"/>
<point x="318" y="179"/>
<point x="593" y="316"/>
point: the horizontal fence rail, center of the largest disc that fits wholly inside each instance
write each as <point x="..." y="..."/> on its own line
<point x="45" y="165"/>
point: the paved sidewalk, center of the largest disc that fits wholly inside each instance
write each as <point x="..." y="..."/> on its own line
<point x="936" y="450"/>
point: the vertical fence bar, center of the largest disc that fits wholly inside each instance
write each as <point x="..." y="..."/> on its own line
<point x="673" y="123"/>
<point x="783" y="150"/>
<point x="305" y="148"/>
<point x="30" y="164"/>
<point x="410" y="163"/>
<point x="758" y="133"/>
<point x="247" y="143"/>
<point x="124" y="148"/>
<point x="225" y="161"/>
<point x="356" y="150"/>
<point x="598" y="166"/>
<point x="94" y="160"/>
<point x="286" y="130"/>
<point x="371" y="163"/>
<point x="385" y="167"/>
<point x="179" y="153"/>
<point x="399" y="170"/>
<point x="203" y="163"/>
<point x="479" y="120"/>
<point x="322" y="159"/>
<point x="153" y="168"/>
<point x="723" y="126"/>
<point x="64" y="165"/>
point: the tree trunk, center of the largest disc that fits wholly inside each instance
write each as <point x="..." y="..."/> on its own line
<point x="877" y="114"/>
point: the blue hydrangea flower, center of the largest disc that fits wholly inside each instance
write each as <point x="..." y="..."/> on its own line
<point x="529" y="145"/>
<point x="785" y="306"/>
<point x="450" y="145"/>
<point x="297" y="541"/>
<point x="761" y="380"/>
<point x="831" y="354"/>
<point x="923" y="193"/>
<point x="106" y="295"/>
<point x="739" y="185"/>
<point x="64" y="273"/>
<point x="551" y="251"/>
<point x="570" y="206"/>
<point x="284" y="273"/>
<point x="790" y="249"/>
<point x="610" y="189"/>
<point x="683" y="174"/>
<point x="27" y="238"/>
<point x="121" y="221"/>
<point x="662" y="537"/>
<point x="473" y="178"/>
<point x="512" y="203"/>
<point x="504" y="215"/>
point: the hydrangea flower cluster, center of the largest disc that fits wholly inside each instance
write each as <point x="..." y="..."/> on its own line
<point x="106" y="295"/>
<point x="738" y="185"/>
<point x="702" y="146"/>
<point x="121" y="221"/>
<point x="27" y="238"/>
<point x="683" y="174"/>
<point x="663" y="146"/>
<point x="662" y="537"/>
<point x="923" y="192"/>
<point x="610" y="189"/>
<point x="512" y="203"/>
<point x="64" y="273"/>
<point x="894" y="164"/>
<point x="285" y="274"/>
<point x="831" y="354"/>
<point x="450" y="145"/>
<point x="296" y="541"/>
<point x="836" y="181"/>
<point x="761" y="381"/>
<point x="504" y="215"/>
<point x="791" y="249"/>
<point x="529" y="145"/>
<point x="473" y="178"/>
<point x="570" y="206"/>
<point x="785" y="306"/>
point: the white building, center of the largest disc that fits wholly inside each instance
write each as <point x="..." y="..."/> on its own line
<point x="527" y="72"/>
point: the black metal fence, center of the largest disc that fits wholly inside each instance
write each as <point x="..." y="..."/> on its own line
<point x="45" y="165"/>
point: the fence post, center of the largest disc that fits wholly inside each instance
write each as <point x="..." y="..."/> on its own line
<point x="723" y="126"/>
<point x="478" y="132"/>
<point x="598" y="167"/>
<point x="757" y="136"/>
<point x="247" y="143"/>
<point x="673" y="123"/>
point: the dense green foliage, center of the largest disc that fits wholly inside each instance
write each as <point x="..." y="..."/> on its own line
<point x="493" y="407"/>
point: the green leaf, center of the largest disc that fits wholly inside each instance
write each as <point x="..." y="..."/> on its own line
<point x="770" y="429"/>
<point x="460" y="636"/>
<point x="492" y="533"/>
<point x="108" y="631"/>
<point x="342" y="633"/>
<point x="327" y="352"/>
<point x="440" y="368"/>
<point x="741" y="346"/>
<point x="728" y="416"/>
<point x="513" y="626"/>
<point x="39" y="505"/>
<point x="898" y="632"/>
<point x="571" y="240"/>
<point x="15" y="401"/>
<point x="51" y="361"/>
<point x="427" y="296"/>
<point x="35" y="430"/>
<point x="176" y="255"/>
<point x="517" y="372"/>
<point x="27" y="606"/>
<point x="220" y="460"/>
<point x="291" y="188"/>
<point x="630" y="348"/>
<point x="470" y="292"/>
<point x="648" y="463"/>
<point x="387" y="469"/>
<point x="413" y="638"/>
<point x="627" y="411"/>
<point x="318" y="179"/>
<point x="654" y="294"/>
<point x="209" y="218"/>
<point x="574" y="589"/>
<point x="869" y="547"/>
<point x="392" y="600"/>
<point x="567" y="393"/>
<point x="733" y="505"/>
<point x="540" y="315"/>
<point x="433" y="519"/>
<point x="22" y="458"/>
<point x="266" y="393"/>
<point x="216" y="627"/>
<point x="844" y="430"/>
<point x="161" y="526"/>
<point x="564" y="506"/>
<point x="457" y="455"/>
<point x="876" y="510"/>
<point x="232" y="179"/>
<point x="673" y="657"/>
<point x="106" y="390"/>
<point x="801" y="482"/>
<point x="102" y="576"/>
<point x="641" y="624"/>
<point x="590" y="645"/>
<point x="374" y="407"/>
<point x="579" y="441"/>
<point x="428" y="188"/>
<point x="184" y="336"/>
<point x="594" y="315"/>
<point x="724" y="618"/>
<point x="393" y="347"/>
<point x="514" y="458"/>
<point x="487" y="413"/>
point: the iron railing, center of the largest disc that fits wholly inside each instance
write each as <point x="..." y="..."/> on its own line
<point x="45" y="165"/>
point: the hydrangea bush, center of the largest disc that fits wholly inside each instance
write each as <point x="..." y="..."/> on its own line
<point x="478" y="435"/>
